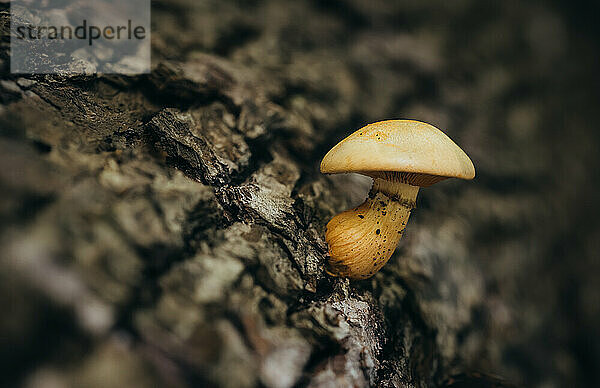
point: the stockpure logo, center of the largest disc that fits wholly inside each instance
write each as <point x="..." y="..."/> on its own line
<point x="80" y="36"/>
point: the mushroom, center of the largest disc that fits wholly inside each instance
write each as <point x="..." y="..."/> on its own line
<point x="401" y="156"/>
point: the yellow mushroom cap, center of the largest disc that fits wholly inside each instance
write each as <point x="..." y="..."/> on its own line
<point x="406" y="146"/>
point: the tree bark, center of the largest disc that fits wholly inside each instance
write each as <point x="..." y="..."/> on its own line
<point x="168" y="229"/>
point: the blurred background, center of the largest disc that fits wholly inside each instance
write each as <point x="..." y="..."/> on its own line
<point x="101" y="233"/>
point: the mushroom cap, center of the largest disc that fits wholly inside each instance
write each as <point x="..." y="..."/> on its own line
<point x="406" y="146"/>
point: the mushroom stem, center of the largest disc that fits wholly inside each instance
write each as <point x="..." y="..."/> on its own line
<point x="361" y="240"/>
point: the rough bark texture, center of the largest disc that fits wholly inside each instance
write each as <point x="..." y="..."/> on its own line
<point x="167" y="230"/>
